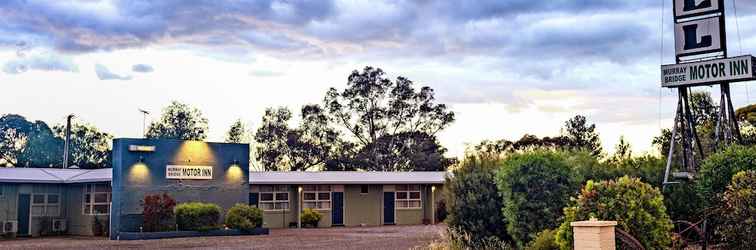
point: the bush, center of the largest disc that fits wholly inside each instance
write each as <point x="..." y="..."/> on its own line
<point x="739" y="227"/>
<point x="158" y="212"/>
<point x="100" y="227"/>
<point x="534" y="187"/>
<point x="197" y="216"/>
<point x="456" y="239"/>
<point x="637" y="207"/>
<point x="310" y="217"/>
<point x="545" y="240"/>
<point x="717" y="170"/>
<point x="472" y="200"/>
<point x="244" y="217"/>
<point x="441" y="211"/>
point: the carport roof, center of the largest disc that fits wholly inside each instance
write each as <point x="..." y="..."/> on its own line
<point x="346" y="177"/>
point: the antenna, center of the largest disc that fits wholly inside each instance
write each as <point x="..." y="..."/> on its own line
<point x="68" y="140"/>
<point x="145" y="113"/>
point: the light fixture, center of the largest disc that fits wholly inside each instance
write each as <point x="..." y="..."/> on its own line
<point x="433" y="188"/>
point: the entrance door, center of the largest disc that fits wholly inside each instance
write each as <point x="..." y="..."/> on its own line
<point x="24" y="205"/>
<point x="388" y="208"/>
<point x="337" y="212"/>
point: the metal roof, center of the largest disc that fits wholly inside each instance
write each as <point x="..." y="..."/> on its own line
<point x="54" y="175"/>
<point x="346" y="177"/>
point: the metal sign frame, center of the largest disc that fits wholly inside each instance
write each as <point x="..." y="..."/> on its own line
<point x="722" y="38"/>
<point x="721" y="5"/>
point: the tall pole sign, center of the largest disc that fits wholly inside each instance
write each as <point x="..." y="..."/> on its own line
<point x="701" y="60"/>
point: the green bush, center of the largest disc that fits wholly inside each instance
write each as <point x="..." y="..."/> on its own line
<point x="244" y="217"/>
<point x="739" y="227"/>
<point x="534" y="187"/>
<point x="717" y="170"/>
<point x="545" y="240"/>
<point x="310" y="217"/>
<point x="197" y="216"/>
<point x="473" y="202"/>
<point x="637" y="207"/>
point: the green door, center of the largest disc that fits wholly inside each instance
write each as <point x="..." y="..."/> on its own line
<point x="24" y="205"/>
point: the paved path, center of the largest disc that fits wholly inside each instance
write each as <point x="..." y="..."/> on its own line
<point x="387" y="237"/>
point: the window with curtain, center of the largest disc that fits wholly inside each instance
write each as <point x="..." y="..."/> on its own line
<point x="45" y="204"/>
<point x="317" y="196"/>
<point x="274" y="197"/>
<point x="97" y="199"/>
<point x="408" y="196"/>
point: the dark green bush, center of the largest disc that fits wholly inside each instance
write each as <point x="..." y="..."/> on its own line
<point x="717" y="170"/>
<point x="545" y="240"/>
<point x="244" y="217"/>
<point x="739" y="227"/>
<point x="534" y="187"/>
<point x="637" y="207"/>
<point x="197" y="216"/>
<point x="310" y="217"/>
<point x="473" y="202"/>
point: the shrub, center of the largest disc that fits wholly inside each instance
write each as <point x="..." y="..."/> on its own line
<point x="244" y="217"/>
<point x="534" y="187"/>
<point x="197" y="216"/>
<point x="100" y="227"/>
<point x="717" y="170"/>
<point x="472" y="200"/>
<point x="545" y="240"/>
<point x="157" y="212"/>
<point x="460" y="240"/>
<point x="739" y="227"/>
<point x="441" y="210"/>
<point x="637" y="207"/>
<point x="310" y="217"/>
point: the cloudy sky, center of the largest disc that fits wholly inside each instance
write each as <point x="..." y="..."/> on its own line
<point x="505" y="67"/>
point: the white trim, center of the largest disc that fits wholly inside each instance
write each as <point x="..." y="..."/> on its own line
<point x="274" y="201"/>
<point x="91" y="203"/>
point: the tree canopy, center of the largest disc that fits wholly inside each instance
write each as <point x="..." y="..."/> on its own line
<point x="179" y="121"/>
<point x="373" y="124"/>
<point x="237" y="133"/>
<point x="25" y="143"/>
<point x="89" y="147"/>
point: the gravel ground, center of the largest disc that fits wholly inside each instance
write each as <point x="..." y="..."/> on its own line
<point x="387" y="237"/>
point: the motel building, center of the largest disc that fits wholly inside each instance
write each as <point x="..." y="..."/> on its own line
<point x="75" y="201"/>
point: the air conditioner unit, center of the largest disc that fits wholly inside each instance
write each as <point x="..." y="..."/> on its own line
<point x="59" y="225"/>
<point x="10" y="226"/>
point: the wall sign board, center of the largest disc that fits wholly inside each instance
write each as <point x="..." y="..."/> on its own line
<point x="699" y="36"/>
<point x="189" y="172"/>
<point x="688" y="8"/>
<point x="708" y="72"/>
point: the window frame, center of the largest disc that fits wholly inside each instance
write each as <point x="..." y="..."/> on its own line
<point x="408" y="190"/>
<point x="92" y="202"/>
<point x="276" y="189"/>
<point x="316" y="190"/>
<point x="45" y="205"/>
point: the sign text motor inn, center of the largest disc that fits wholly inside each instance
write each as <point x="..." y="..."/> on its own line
<point x="209" y="172"/>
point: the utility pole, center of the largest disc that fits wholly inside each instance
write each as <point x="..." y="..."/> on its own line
<point x="68" y="140"/>
<point x="144" y="122"/>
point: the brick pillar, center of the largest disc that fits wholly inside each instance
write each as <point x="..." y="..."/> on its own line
<point x="593" y="234"/>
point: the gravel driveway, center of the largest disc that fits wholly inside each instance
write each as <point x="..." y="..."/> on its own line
<point x="386" y="237"/>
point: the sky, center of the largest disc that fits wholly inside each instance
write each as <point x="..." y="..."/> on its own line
<point x="505" y="68"/>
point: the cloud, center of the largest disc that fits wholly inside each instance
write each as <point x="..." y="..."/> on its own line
<point x="42" y="62"/>
<point x="142" y="68"/>
<point x="105" y="74"/>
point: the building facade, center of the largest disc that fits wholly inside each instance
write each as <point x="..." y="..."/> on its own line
<point x="84" y="202"/>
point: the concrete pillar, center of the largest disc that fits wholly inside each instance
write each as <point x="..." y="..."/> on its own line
<point x="593" y="234"/>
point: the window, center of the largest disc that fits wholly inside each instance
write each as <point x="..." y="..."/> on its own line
<point x="1" y="192"/>
<point x="408" y="196"/>
<point x="317" y="196"/>
<point x="97" y="199"/>
<point x="364" y="189"/>
<point x="45" y="204"/>
<point x="274" y="197"/>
